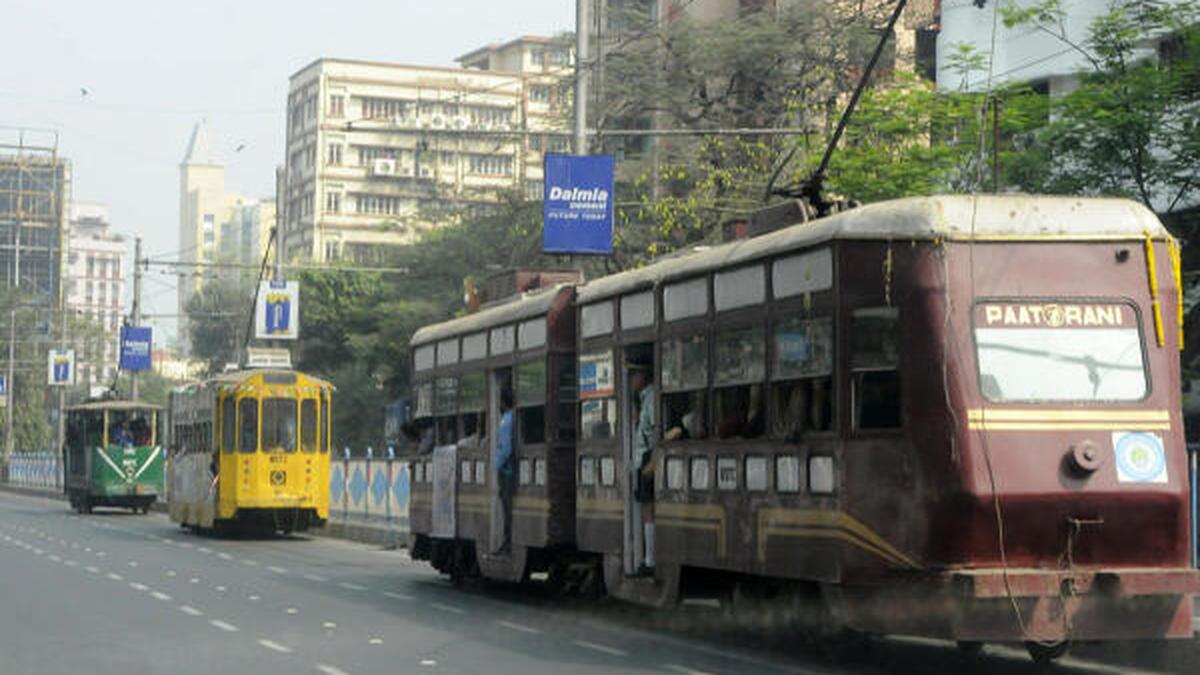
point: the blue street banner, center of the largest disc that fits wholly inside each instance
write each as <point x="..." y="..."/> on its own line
<point x="135" y="347"/>
<point x="3" y="391"/>
<point x="278" y="313"/>
<point x="60" y="367"/>
<point x="577" y="207"/>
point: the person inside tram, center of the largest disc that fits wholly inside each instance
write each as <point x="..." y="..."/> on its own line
<point x="121" y="435"/>
<point x="642" y="385"/>
<point x="503" y="461"/>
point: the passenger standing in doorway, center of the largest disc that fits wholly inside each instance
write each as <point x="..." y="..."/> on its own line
<point x="641" y="383"/>
<point x="503" y="461"/>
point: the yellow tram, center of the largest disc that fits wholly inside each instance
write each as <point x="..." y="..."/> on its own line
<point x="249" y="450"/>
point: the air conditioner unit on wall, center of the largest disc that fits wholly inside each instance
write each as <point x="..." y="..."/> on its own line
<point x="383" y="166"/>
<point x="438" y="122"/>
<point x="406" y="171"/>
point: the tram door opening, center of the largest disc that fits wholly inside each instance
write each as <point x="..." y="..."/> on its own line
<point x="500" y="385"/>
<point x="639" y="405"/>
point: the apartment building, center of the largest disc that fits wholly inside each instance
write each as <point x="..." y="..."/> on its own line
<point x="95" y="291"/>
<point x="35" y="187"/>
<point x="373" y="149"/>
<point x="244" y="236"/>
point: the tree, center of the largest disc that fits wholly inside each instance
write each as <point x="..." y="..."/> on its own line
<point x="1132" y="126"/>
<point x="217" y="316"/>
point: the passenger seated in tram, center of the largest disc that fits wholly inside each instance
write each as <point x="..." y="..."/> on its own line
<point x="740" y="412"/>
<point x="802" y="405"/>
<point x="685" y="416"/>
<point x="121" y="435"/>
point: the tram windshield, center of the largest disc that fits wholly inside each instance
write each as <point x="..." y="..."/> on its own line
<point x="279" y="424"/>
<point x="130" y="427"/>
<point x="1057" y="352"/>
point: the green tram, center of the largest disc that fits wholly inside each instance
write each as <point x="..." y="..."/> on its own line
<point x="112" y="455"/>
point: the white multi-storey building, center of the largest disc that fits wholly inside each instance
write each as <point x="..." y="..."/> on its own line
<point x="96" y="268"/>
<point x="371" y="145"/>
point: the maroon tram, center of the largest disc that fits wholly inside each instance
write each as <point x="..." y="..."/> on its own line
<point x="954" y="417"/>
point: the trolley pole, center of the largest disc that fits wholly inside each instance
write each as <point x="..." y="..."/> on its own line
<point x="136" y="315"/>
<point x="581" y="75"/>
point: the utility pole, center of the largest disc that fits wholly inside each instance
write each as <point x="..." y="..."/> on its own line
<point x="8" y="408"/>
<point x="581" y="75"/>
<point x="136" y="315"/>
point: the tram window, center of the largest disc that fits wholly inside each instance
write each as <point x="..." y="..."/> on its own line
<point x="447" y="430"/>
<point x="228" y="423"/>
<point x="876" y="380"/>
<point x="502" y="340"/>
<point x="423" y="357"/>
<point x="804" y="405"/>
<point x="587" y="470"/>
<point x="474" y="347"/>
<point x="424" y="400"/>
<point x="756" y="474"/>
<point x="444" y="407"/>
<point x="685" y="414"/>
<point x="418" y="472"/>
<point x="803" y="348"/>
<point x="471" y="404"/>
<point x="598" y="406"/>
<point x="685" y="299"/>
<point x="805" y="273"/>
<point x="531" y="402"/>
<point x="308" y="425"/>
<point x="597" y="319"/>
<point x="327" y="415"/>
<point x="740" y="370"/>
<point x="739" y="288"/>
<point x="464" y="472"/>
<point x="608" y="471"/>
<point x="700" y="478"/>
<point x="598" y="417"/>
<point x="675" y="473"/>
<point x="524" y="471"/>
<point x="447" y="352"/>
<point x="480" y="472"/>
<point x="787" y="473"/>
<point x="727" y="473"/>
<point x="279" y="424"/>
<point x="637" y="310"/>
<point x="248" y="425"/>
<point x="685" y="363"/>
<point x="567" y="386"/>
<point x="539" y="471"/>
<point x="531" y="334"/>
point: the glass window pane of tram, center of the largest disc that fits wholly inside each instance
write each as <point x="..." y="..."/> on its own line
<point x="685" y="299"/>
<point x="445" y="400"/>
<point x="228" y="423"/>
<point x="739" y="374"/>
<point x="471" y="408"/>
<point x="684" y="382"/>
<point x="739" y="288"/>
<point x="597" y="319"/>
<point x="531" y="401"/>
<point x="875" y="338"/>
<point x="308" y="425"/>
<point x="279" y="424"/>
<point x="801" y="370"/>
<point x="248" y="424"/>
<point x="637" y="310"/>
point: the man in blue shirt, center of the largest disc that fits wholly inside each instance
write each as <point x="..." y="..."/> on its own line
<point x="645" y="435"/>
<point x="503" y="461"/>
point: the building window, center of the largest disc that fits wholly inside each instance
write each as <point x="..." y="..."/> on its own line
<point x="383" y="108"/>
<point x="540" y="93"/>
<point x="491" y="165"/>
<point x="334" y="154"/>
<point x="333" y="202"/>
<point x="337" y="105"/>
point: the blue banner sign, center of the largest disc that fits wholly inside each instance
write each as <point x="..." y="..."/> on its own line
<point x="135" y="347"/>
<point x="577" y="210"/>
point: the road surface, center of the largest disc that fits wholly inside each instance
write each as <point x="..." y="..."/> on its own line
<point x="118" y="593"/>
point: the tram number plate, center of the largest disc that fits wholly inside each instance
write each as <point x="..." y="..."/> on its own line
<point x="278" y="459"/>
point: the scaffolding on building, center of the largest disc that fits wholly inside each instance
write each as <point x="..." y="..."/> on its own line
<point x="34" y="193"/>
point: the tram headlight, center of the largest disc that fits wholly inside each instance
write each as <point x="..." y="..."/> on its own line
<point x="821" y="476"/>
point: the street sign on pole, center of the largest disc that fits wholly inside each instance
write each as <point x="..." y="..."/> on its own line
<point x="136" y="344"/>
<point x="277" y="316"/>
<point x="60" y="367"/>
<point x="577" y="209"/>
<point x="3" y="391"/>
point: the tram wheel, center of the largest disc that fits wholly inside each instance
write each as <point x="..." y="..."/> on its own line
<point x="1043" y="653"/>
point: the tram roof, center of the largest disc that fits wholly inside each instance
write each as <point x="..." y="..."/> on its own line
<point x="1013" y="217"/>
<point x="530" y="304"/>
<point x="114" y="405"/>
<point x="239" y="376"/>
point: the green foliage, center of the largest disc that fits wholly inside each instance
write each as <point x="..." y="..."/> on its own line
<point x="217" y="317"/>
<point x="152" y="387"/>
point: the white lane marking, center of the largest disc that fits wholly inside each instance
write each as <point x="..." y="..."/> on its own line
<point x="277" y="569"/>
<point x="227" y="627"/>
<point x="204" y="549"/>
<point x="71" y="563"/>
<point x="87" y="549"/>
<point x="328" y="625"/>
<point x="397" y="596"/>
<point x="194" y="580"/>
<point x="447" y="608"/>
<point x="114" y="576"/>
<point x="170" y="573"/>
<point x="251" y="563"/>
<point x="189" y="610"/>
<point x="605" y="649"/>
<point x="37" y="551"/>
<point x="375" y="641"/>
<point x="159" y="595"/>
<point x="224" y="556"/>
<point x="274" y="646"/>
<point x="93" y="569"/>
<point x="428" y="662"/>
<point x="100" y="554"/>
<point x="520" y="627"/>
<point x="254" y="598"/>
<point x="133" y="563"/>
<point x="186" y="544"/>
<point x="351" y="587"/>
<point x="329" y="670"/>
<point x="221" y="589"/>
<point x="315" y="577"/>
<point x="684" y="669"/>
<point x="138" y="587"/>
<point x="54" y="558"/>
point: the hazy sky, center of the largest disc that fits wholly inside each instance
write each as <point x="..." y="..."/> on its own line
<point x="153" y="68"/>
